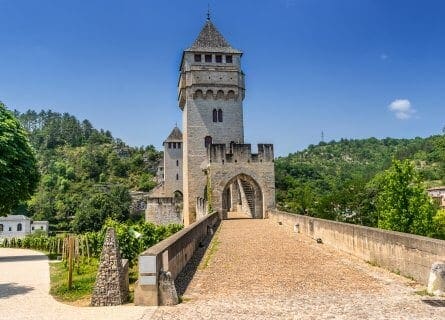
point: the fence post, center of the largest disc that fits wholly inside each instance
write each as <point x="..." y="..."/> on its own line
<point x="70" y="261"/>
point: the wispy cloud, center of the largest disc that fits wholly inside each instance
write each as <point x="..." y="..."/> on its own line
<point x="384" y="56"/>
<point x="402" y="108"/>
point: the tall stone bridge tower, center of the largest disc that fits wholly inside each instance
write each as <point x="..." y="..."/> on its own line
<point x="211" y="94"/>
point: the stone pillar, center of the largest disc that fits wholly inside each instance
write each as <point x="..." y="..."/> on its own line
<point x="110" y="288"/>
<point x="436" y="281"/>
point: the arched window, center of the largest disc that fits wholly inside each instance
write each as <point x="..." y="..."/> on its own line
<point x="177" y="163"/>
<point x="215" y="115"/>
<point x="207" y="141"/>
<point x="19" y="227"/>
<point x="198" y="94"/>
<point x="1" y="228"/>
<point x="220" y="116"/>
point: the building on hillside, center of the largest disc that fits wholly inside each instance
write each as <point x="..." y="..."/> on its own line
<point x="19" y="226"/>
<point x="438" y="194"/>
<point x="218" y="170"/>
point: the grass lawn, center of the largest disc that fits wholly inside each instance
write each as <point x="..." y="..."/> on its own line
<point x="84" y="278"/>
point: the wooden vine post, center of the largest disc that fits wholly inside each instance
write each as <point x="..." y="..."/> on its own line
<point x="71" y="243"/>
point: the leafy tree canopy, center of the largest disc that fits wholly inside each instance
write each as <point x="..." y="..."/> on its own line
<point x="403" y="204"/>
<point x="18" y="166"/>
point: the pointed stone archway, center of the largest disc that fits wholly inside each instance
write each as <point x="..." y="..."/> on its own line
<point x="242" y="197"/>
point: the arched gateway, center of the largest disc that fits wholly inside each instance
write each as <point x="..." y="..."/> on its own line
<point x="242" y="195"/>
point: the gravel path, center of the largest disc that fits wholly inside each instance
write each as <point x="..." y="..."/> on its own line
<point x="24" y="287"/>
<point x="260" y="270"/>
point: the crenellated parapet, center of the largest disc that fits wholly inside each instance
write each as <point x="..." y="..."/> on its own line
<point x="239" y="153"/>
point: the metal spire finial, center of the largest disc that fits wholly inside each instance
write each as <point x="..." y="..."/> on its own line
<point x="208" y="12"/>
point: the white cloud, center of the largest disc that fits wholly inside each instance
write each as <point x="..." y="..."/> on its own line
<point x="402" y="108"/>
<point x="384" y="56"/>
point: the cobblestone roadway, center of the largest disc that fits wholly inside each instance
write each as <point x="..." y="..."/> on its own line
<point x="262" y="271"/>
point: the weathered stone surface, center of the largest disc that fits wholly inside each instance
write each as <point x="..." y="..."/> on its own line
<point x="167" y="291"/>
<point x="111" y="287"/>
<point x="436" y="281"/>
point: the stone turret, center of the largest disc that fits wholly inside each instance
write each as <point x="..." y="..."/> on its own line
<point x="173" y="162"/>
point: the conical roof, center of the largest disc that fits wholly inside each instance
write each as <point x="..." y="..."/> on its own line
<point x="174" y="136"/>
<point x="210" y="39"/>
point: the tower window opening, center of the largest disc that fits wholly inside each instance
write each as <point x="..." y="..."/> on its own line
<point x="177" y="163"/>
<point x="220" y="115"/>
<point x="179" y="145"/>
<point x="177" y="176"/>
<point x="174" y="145"/>
<point x="229" y="59"/>
<point x="19" y="227"/>
<point x="208" y="58"/>
<point x="215" y="115"/>
<point x="169" y="145"/>
<point x="207" y="141"/>
<point x="197" y="58"/>
<point x="218" y="58"/>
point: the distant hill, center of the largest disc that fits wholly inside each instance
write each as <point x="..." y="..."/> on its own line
<point x="334" y="180"/>
<point x="80" y="163"/>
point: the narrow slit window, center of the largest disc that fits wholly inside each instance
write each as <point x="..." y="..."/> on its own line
<point x="177" y="163"/>
<point x="220" y="115"/>
<point x="207" y="141"/>
<point x="215" y="115"/>
<point x="177" y="176"/>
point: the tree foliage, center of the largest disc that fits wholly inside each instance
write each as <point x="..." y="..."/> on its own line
<point x="403" y="204"/>
<point x="86" y="173"/>
<point x="18" y="166"/>
<point x="341" y="180"/>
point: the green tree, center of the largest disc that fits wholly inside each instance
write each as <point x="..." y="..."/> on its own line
<point x="18" y="166"/>
<point x="403" y="204"/>
<point x="92" y="213"/>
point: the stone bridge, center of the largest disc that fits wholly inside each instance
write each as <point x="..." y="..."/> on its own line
<point x="276" y="269"/>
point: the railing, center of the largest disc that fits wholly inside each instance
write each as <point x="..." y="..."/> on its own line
<point x="407" y="254"/>
<point x="171" y="254"/>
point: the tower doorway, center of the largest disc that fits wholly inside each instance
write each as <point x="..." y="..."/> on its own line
<point x="242" y="198"/>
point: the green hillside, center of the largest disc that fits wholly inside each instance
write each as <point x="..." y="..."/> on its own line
<point x="339" y="180"/>
<point x="86" y="174"/>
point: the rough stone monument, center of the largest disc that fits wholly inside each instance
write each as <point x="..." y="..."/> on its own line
<point x="436" y="281"/>
<point x="111" y="287"/>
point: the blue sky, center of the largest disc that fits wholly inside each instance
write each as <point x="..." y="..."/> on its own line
<point x="349" y="68"/>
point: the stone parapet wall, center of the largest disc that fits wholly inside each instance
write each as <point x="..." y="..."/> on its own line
<point x="170" y="255"/>
<point x="239" y="153"/>
<point x="407" y="254"/>
<point x="163" y="211"/>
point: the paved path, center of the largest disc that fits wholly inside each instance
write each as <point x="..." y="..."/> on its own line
<point x="261" y="270"/>
<point x="24" y="287"/>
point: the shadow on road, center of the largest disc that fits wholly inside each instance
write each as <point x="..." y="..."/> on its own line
<point x="23" y="258"/>
<point x="11" y="289"/>
<point x="183" y="279"/>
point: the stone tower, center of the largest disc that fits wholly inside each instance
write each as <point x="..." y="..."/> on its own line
<point x="211" y="93"/>
<point x="173" y="162"/>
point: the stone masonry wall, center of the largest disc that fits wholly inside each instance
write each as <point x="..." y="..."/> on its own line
<point x="163" y="211"/>
<point x="407" y="254"/>
<point x="111" y="287"/>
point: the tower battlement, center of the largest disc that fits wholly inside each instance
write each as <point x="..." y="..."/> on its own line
<point x="239" y="153"/>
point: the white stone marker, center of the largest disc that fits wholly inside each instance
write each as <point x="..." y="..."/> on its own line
<point x="436" y="281"/>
